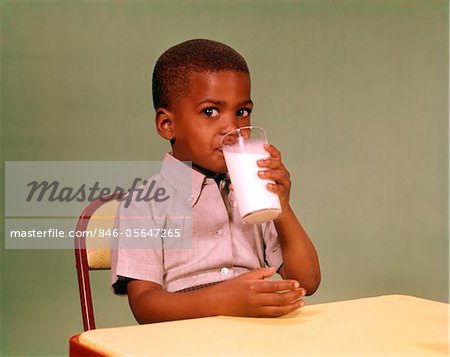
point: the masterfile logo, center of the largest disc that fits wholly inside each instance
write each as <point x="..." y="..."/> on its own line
<point x="44" y="199"/>
<point x="54" y="191"/>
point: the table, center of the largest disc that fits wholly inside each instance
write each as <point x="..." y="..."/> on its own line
<point x="384" y="325"/>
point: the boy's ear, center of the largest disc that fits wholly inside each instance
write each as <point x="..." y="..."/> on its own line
<point x="165" y="124"/>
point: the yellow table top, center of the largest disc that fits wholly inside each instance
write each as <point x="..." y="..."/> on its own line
<point x="385" y="325"/>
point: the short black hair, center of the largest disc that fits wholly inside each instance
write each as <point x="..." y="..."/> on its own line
<point x="173" y="69"/>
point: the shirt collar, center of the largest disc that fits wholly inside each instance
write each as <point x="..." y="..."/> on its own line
<point x="183" y="178"/>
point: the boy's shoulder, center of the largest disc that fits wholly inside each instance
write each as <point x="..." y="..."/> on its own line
<point x="161" y="192"/>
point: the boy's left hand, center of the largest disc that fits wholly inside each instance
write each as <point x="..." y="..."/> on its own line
<point x="275" y="170"/>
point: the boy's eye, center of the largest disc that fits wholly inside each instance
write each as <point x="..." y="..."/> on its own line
<point x="210" y="112"/>
<point x="244" y="112"/>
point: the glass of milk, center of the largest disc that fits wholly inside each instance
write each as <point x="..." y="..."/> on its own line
<point x="242" y="148"/>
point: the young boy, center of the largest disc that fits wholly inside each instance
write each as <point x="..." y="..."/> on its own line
<point x="201" y="90"/>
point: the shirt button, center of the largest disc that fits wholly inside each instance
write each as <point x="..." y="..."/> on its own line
<point x="221" y="232"/>
<point x="224" y="271"/>
<point x="191" y="198"/>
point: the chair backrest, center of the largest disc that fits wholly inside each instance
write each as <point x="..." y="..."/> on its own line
<point x="92" y="248"/>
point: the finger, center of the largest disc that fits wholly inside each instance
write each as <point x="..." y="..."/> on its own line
<point x="275" y="311"/>
<point x="271" y="163"/>
<point x="281" y="298"/>
<point x="260" y="273"/>
<point x="280" y="176"/>
<point x="273" y="286"/>
<point x="273" y="151"/>
<point x="274" y="166"/>
<point x="281" y="187"/>
<point x="279" y="190"/>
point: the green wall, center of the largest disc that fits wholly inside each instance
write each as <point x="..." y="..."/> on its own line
<point x="353" y="92"/>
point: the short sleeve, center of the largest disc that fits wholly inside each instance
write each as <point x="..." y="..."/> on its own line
<point x="120" y="286"/>
<point x="129" y="258"/>
<point x="272" y="252"/>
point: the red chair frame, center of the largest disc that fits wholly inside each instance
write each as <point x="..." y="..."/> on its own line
<point x="82" y="266"/>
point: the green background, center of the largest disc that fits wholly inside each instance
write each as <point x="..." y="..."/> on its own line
<point x="353" y="92"/>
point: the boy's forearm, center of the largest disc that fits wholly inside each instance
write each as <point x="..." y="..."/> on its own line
<point x="248" y="294"/>
<point x="300" y="259"/>
<point x="160" y="305"/>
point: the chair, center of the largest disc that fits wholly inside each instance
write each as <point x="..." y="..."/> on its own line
<point x="92" y="250"/>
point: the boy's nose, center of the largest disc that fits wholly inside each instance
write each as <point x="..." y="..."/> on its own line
<point x="228" y="129"/>
<point x="231" y="123"/>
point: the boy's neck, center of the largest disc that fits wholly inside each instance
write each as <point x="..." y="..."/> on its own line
<point x="210" y="174"/>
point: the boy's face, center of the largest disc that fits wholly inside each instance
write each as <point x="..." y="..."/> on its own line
<point x="216" y="103"/>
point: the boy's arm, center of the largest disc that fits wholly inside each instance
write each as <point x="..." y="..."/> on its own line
<point x="246" y="295"/>
<point x="300" y="260"/>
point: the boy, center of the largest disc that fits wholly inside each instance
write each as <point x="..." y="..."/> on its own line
<point x="201" y="90"/>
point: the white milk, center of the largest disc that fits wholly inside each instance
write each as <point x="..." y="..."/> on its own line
<point x="256" y="203"/>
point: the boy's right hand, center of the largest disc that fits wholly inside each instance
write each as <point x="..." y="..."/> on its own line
<point x="250" y="294"/>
